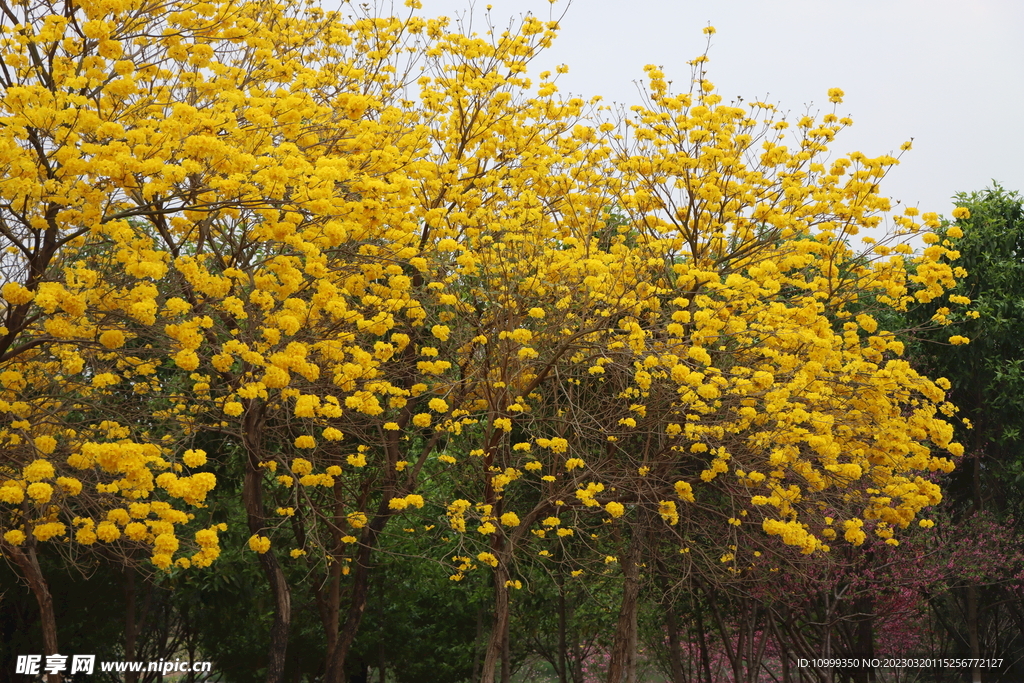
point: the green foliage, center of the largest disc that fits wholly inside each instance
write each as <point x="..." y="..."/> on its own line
<point x="987" y="375"/>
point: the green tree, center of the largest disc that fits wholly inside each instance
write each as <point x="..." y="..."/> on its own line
<point x="985" y="380"/>
<point x="987" y="376"/>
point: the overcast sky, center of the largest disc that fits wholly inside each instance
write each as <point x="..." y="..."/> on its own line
<point x="948" y="73"/>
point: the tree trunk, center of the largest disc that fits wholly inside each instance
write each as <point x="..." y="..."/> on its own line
<point x="477" y="643"/>
<point x="277" y="648"/>
<point x="733" y="652"/>
<point x="773" y="624"/>
<point x="360" y="584"/>
<point x="506" y="652"/>
<point x="675" y="659"/>
<point x="563" y="660"/>
<point x="28" y="564"/>
<point x="865" y="606"/>
<point x="330" y="606"/>
<point x="622" y="665"/>
<point x="496" y="643"/>
<point x="330" y="616"/>
<point x="252" y="497"/>
<point x="702" y="637"/>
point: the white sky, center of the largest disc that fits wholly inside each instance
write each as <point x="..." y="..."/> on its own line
<point x="948" y="73"/>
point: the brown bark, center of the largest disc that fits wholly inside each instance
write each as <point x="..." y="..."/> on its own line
<point x="622" y="665"/>
<point x="277" y="649"/>
<point x="252" y="497"/>
<point x="360" y="587"/>
<point x="495" y="645"/>
<point x="330" y="613"/>
<point x="506" y="655"/>
<point x="477" y="642"/>
<point x="329" y="601"/>
<point x="865" y="638"/>
<point x="702" y="638"/>
<point x="563" y="660"/>
<point x="732" y="654"/>
<point x="28" y="565"/>
<point x="675" y="660"/>
<point x="783" y="648"/>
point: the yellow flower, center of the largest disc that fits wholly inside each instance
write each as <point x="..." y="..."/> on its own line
<point x="16" y="294"/>
<point x="136" y="531"/>
<point x="37" y="470"/>
<point x="46" y="531"/>
<point x="259" y="544"/>
<point x="40" y="492"/>
<point x="684" y="491"/>
<point x="667" y="510"/>
<point x="11" y="493"/>
<point x="510" y="519"/>
<point x="112" y="339"/>
<point x="69" y="485"/>
<point x="615" y="509"/>
<point x="194" y="457"/>
<point x="45" y="444"/>
<point x="15" y="537"/>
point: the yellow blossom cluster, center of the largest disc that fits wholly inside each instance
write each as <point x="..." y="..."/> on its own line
<point x="275" y="240"/>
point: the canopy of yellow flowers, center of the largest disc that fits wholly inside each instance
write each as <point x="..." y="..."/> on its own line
<point x="364" y="248"/>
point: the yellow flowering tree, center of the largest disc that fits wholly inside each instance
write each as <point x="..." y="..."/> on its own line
<point x="264" y="232"/>
<point x="250" y="232"/>
<point x="404" y="381"/>
<point x="724" y="338"/>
